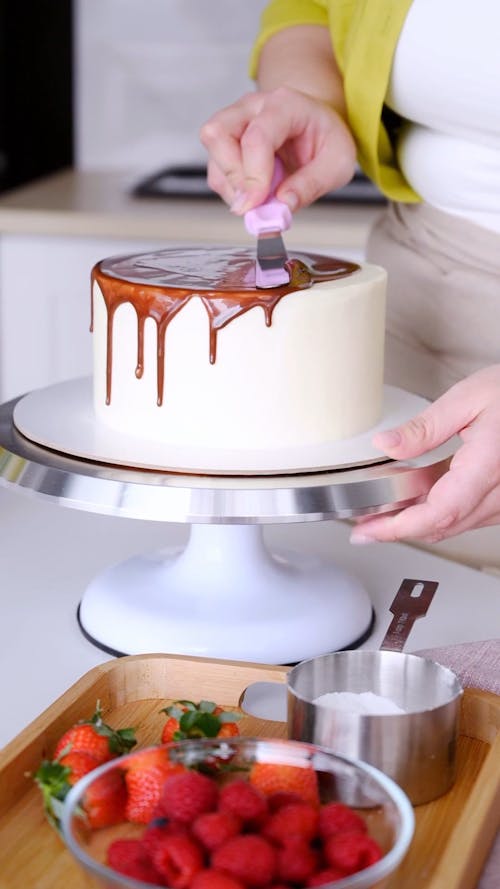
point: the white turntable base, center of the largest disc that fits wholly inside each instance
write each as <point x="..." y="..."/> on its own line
<point x="227" y="596"/>
<point x="61" y="417"/>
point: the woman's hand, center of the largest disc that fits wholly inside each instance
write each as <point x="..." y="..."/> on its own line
<point x="468" y="495"/>
<point x="311" y="138"/>
<point x="298" y="113"/>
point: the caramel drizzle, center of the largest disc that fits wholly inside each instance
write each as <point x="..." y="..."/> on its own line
<point x="162" y="303"/>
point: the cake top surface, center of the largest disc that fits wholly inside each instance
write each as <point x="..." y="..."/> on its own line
<point x="218" y="269"/>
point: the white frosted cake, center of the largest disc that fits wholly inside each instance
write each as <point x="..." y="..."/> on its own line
<point x="187" y="351"/>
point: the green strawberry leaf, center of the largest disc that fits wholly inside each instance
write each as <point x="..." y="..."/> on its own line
<point x="228" y="716"/>
<point x="120" y="741"/>
<point x="206" y="706"/>
<point x="52" y="779"/>
<point x="173" y="710"/>
<point x="179" y="736"/>
<point x="198" y="725"/>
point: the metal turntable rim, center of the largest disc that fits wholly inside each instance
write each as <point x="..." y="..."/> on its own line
<point x="169" y="497"/>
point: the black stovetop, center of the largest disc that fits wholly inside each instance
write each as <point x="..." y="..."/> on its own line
<point x="190" y="181"/>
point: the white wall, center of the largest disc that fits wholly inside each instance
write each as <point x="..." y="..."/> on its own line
<point x="149" y="73"/>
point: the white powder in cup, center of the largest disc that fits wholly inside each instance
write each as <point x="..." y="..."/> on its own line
<point x="365" y="702"/>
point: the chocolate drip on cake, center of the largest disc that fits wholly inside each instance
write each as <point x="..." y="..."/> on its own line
<point x="158" y="285"/>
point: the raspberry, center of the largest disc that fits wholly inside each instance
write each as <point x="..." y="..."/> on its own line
<point x="296" y="861"/>
<point x="244" y="801"/>
<point x="299" y="820"/>
<point x="214" y="828"/>
<point x="335" y="817"/>
<point x="351" y="851"/>
<point x="329" y="875"/>
<point x="129" y="858"/>
<point x="249" y="858"/>
<point x="178" y="858"/>
<point x="214" y="879"/>
<point x="187" y="795"/>
<point x="157" y="830"/>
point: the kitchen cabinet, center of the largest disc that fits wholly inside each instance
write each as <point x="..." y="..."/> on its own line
<point x="45" y="307"/>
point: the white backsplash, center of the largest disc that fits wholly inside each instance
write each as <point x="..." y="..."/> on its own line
<point x="149" y="73"/>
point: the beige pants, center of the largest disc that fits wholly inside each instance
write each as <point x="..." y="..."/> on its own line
<point x="443" y="311"/>
<point x="443" y="318"/>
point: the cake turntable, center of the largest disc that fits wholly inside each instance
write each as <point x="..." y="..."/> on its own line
<point x="225" y="595"/>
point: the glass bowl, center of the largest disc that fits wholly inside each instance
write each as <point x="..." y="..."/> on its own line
<point x="381" y="804"/>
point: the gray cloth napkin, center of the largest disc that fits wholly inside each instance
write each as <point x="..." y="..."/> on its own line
<point x="477" y="665"/>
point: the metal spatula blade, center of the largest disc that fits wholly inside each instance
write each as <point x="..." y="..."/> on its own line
<point x="271" y="259"/>
<point x="266" y="222"/>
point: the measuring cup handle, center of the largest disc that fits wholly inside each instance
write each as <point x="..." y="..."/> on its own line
<point x="412" y="601"/>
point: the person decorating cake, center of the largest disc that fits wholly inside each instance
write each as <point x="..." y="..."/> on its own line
<point x="410" y="91"/>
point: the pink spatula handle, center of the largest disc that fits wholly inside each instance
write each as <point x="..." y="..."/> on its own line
<point x="272" y="215"/>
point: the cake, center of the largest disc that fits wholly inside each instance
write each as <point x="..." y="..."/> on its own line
<point x="187" y="351"/>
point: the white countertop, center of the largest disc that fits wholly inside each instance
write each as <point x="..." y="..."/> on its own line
<point x="49" y="553"/>
<point x="99" y="204"/>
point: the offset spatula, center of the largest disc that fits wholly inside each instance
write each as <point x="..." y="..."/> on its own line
<point x="411" y="602"/>
<point x="266" y="222"/>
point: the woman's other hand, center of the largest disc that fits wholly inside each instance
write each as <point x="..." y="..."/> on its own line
<point x="467" y="496"/>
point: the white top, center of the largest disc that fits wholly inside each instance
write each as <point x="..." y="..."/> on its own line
<point x="446" y="81"/>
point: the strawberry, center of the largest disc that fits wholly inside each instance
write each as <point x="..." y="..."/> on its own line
<point x="335" y="817"/>
<point x="204" y="719"/>
<point x="351" y="851"/>
<point x="299" y="820"/>
<point x="129" y="858"/>
<point x="296" y="861"/>
<point x="105" y="799"/>
<point x="178" y="859"/>
<point x="187" y="795"/>
<point x="282" y="798"/>
<point x="80" y="749"/>
<point x="146" y="773"/>
<point x="271" y="778"/>
<point x="213" y="879"/>
<point x="79" y="764"/>
<point x="246" y="802"/>
<point x="96" y="738"/>
<point x="213" y="828"/>
<point x="228" y="730"/>
<point x="249" y="858"/>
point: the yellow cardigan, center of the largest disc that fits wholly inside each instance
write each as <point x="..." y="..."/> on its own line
<point x="364" y="35"/>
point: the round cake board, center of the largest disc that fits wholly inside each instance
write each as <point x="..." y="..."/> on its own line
<point x="61" y="417"/>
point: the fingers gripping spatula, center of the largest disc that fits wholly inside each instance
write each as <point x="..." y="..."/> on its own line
<point x="266" y="222"/>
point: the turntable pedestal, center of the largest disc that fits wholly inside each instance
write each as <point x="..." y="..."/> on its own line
<point x="226" y="595"/>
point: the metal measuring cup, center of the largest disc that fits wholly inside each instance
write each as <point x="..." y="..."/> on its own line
<point x="417" y="748"/>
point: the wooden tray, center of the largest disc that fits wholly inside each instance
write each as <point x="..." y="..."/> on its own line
<point x="452" y="837"/>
